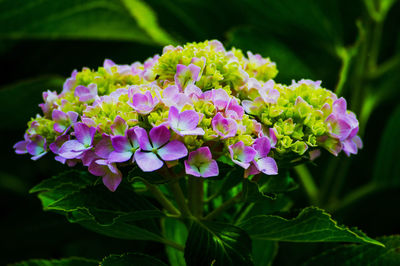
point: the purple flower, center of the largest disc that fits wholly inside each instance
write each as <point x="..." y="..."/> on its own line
<point x="86" y="93"/>
<point x="172" y="97"/>
<point x="242" y="155"/>
<point x="119" y="127"/>
<point x="201" y="164"/>
<point x="351" y="145"/>
<point x="338" y="127"/>
<point x="186" y="75"/>
<point x="36" y="147"/>
<point x="261" y="161"/>
<point x="234" y="110"/>
<point x="50" y="98"/>
<point x="184" y="123"/>
<point x="121" y="69"/>
<point x="20" y="146"/>
<point x="84" y="140"/>
<point x="153" y="151"/>
<point x="111" y="175"/>
<point x="220" y="99"/>
<point x="104" y="147"/>
<point x="124" y="146"/>
<point x="268" y="93"/>
<point x="63" y="120"/>
<point x="69" y="83"/>
<point x="144" y="103"/>
<point x="225" y="127"/>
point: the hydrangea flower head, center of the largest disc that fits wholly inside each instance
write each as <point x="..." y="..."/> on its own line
<point x="192" y="105"/>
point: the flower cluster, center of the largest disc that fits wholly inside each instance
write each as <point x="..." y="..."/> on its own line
<point x="199" y="104"/>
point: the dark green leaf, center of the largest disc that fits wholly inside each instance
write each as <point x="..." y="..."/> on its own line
<point x="280" y="183"/>
<point x="130" y="259"/>
<point x="362" y="254"/>
<point x="252" y="192"/>
<point x="387" y="167"/>
<point x="214" y="243"/>
<point x="311" y="225"/>
<point x="62" y="262"/>
<point x="19" y="101"/>
<point x="264" y="252"/>
<point x="152" y="177"/>
<point x="94" y="19"/>
<point x="177" y="232"/>
<point x="121" y="214"/>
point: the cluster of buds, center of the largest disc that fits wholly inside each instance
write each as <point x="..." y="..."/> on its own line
<point x="199" y="105"/>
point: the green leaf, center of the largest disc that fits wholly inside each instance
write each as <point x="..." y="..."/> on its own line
<point x="129" y="259"/>
<point x="62" y="262"/>
<point x="74" y="19"/>
<point x="264" y="252"/>
<point x="147" y="21"/>
<point x="136" y="174"/>
<point x="252" y="192"/>
<point x="214" y="243"/>
<point x="120" y="214"/>
<point x="387" y="169"/>
<point x="29" y="94"/>
<point x="362" y="254"/>
<point x="177" y="232"/>
<point x="311" y="225"/>
<point x="280" y="183"/>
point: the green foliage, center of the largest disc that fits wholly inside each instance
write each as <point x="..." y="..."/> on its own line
<point x="177" y="232"/>
<point x="94" y="19"/>
<point x="61" y="262"/>
<point x="264" y="252"/>
<point x="214" y="243"/>
<point x="129" y="259"/>
<point x="123" y="214"/>
<point x="311" y="225"/>
<point x="361" y="254"/>
<point x="387" y="168"/>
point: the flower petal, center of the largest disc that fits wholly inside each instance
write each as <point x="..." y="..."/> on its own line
<point x="84" y="134"/>
<point x="208" y="170"/>
<point x="159" y="136"/>
<point x="119" y="157"/>
<point x="148" y="161"/>
<point x="143" y="139"/>
<point x="174" y="150"/>
<point x="267" y="165"/>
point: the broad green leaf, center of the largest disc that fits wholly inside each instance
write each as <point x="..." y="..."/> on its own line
<point x="387" y="168"/>
<point x="74" y="19"/>
<point x="19" y="101"/>
<point x="362" y="254"/>
<point x="252" y="192"/>
<point x="264" y="252"/>
<point x="62" y="262"/>
<point x="280" y="183"/>
<point x="177" y="232"/>
<point x="121" y="214"/>
<point x="136" y="174"/>
<point x="147" y="20"/>
<point x="214" y="243"/>
<point x="129" y="259"/>
<point x="311" y="225"/>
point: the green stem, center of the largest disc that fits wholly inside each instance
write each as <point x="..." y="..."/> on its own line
<point x="339" y="180"/>
<point x="353" y="197"/>
<point x="385" y="67"/>
<point x="173" y="244"/>
<point x="224" y="206"/>
<point x="344" y="70"/>
<point x="195" y="195"/>
<point x="308" y="183"/>
<point x="180" y="198"/>
<point x="157" y="193"/>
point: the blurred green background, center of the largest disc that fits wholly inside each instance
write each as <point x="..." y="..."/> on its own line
<point x="352" y="46"/>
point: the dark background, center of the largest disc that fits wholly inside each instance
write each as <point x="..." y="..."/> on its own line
<point x="41" y="42"/>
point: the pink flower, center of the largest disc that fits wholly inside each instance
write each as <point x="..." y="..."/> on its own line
<point x="157" y="149"/>
<point x="184" y="123"/>
<point x="201" y="164"/>
<point x="225" y="127"/>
